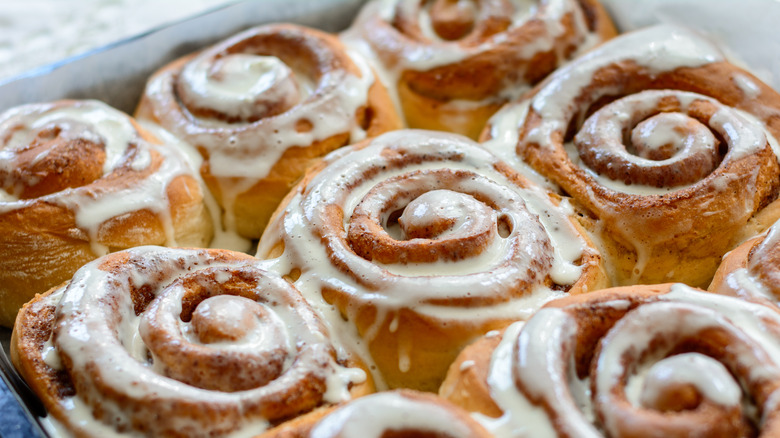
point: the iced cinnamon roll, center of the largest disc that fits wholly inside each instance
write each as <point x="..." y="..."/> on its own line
<point x="422" y="241"/>
<point x="178" y="342"/>
<point x="752" y="270"/>
<point x="79" y="179"/>
<point x="453" y="63"/>
<point x="667" y="147"/>
<point x="391" y="413"/>
<point x="263" y="105"/>
<point x="636" y="361"/>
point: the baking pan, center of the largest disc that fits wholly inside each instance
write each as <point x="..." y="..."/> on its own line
<point x="116" y="74"/>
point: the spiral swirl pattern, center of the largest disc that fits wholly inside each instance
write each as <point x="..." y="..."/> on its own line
<point x="670" y="137"/>
<point x="261" y="106"/>
<point x="665" y="360"/>
<point x="203" y="342"/>
<point x="659" y="139"/>
<point x="390" y="413"/>
<point x="78" y="179"/>
<point x="429" y="228"/>
<point x="456" y="62"/>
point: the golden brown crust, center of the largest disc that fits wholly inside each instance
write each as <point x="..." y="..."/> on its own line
<point x="701" y="220"/>
<point x="734" y="260"/>
<point x="466" y="382"/>
<point x="490" y="55"/>
<point x="312" y="54"/>
<point x="592" y="338"/>
<point x="413" y="348"/>
<point x="751" y="270"/>
<point x="405" y="404"/>
<point x="32" y="329"/>
<point x="212" y="284"/>
<point x="42" y="238"/>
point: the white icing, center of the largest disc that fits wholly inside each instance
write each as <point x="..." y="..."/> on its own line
<point x="744" y="280"/>
<point x="732" y="315"/>
<point x="89" y="304"/>
<point x="105" y="125"/>
<point x="542" y="344"/>
<point x="520" y="417"/>
<point x="349" y="93"/>
<point x="526" y="9"/>
<point x="504" y="129"/>
<point x="239" y="85"/>
<point x="748" y="87"/>
<point x="422" y="56"/>
<point x="50" y="356"/>
<point x="446" y="205"/>
<point x="770" y="241"/>
<point x="337" y="390"/>
<point x="321" y="189"/>
<point x="373" y="415"/>
<point x="520" y="308"/>
<point x="54" y="428"/>
<point x="618" y="186"/>
<point x="80" y="414"/>
<point x="710" y="378"/>
<point x="773" y="143"/>
<point x="343" y="332"/>
<point x="466" y="364"/>
<point x="417" y="286"/>
<point x="539" y="355"/>
<point x="243" y="153"/>
<point x="566" y="94"/>
<point x="123" y="147"/>
<point x="7" y="197"/>
<point x="658" y="49"/>
<point x="492" y="333"/>
<point x="406" y="54"/>
<point x="659" y="131"/>
<point x="743" y="133"/>
<point x="225" y="237"/>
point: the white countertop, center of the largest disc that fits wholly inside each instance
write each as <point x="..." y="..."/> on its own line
<point x="34" y="33"/>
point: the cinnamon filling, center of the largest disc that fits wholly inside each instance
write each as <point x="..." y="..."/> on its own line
<point x="219" y="307"/>
<point x="453" y="19"/>
<point x="63" y="155"/>
<point x="218" y="343"/>
<point x="670" y="142"/>
<point x="261" y="76"/>
<point x="443" y="223"/>
<point x="666" y="358"/>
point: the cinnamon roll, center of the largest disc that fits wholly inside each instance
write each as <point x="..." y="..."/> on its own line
<point x="263" y="105"/>
<point x="422" y="241"/>
<point x="454" y="63"/>
<point x="667" y="147"/>
<point x="390" y="413"/>
<point x="649" y="360"/>
<point x="751" y="270"/>
<point x="79" y="179"/>
<point x="178" y="342"/>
